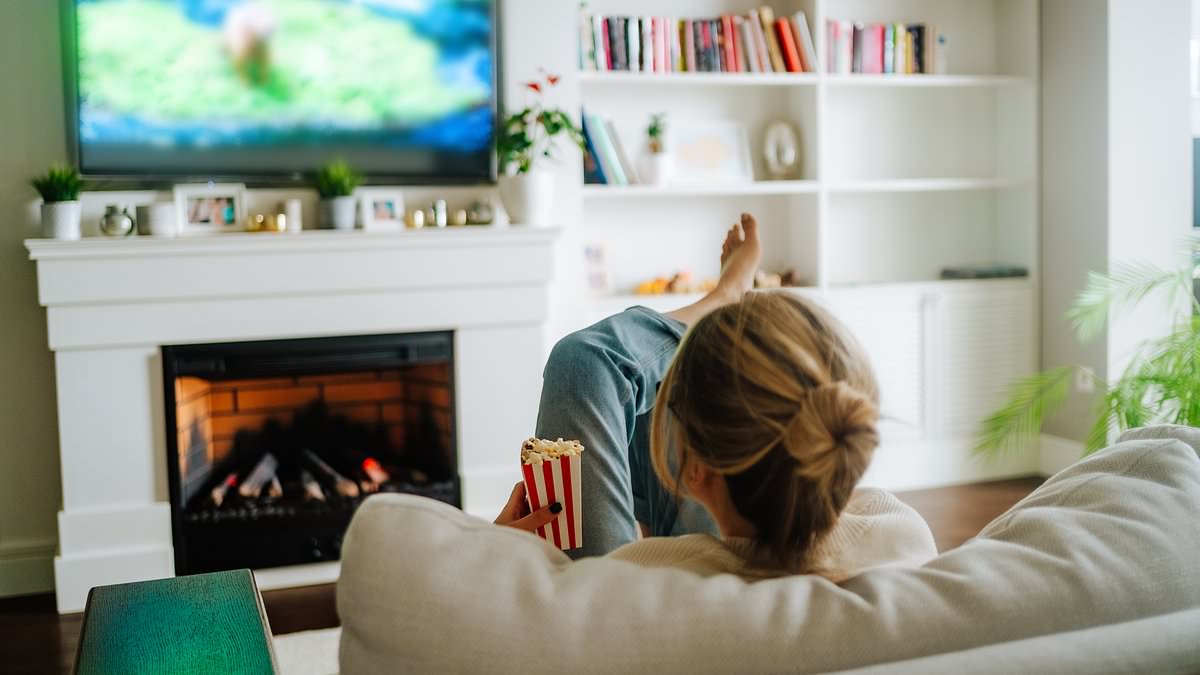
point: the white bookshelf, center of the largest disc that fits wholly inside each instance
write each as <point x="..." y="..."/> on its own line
<point x="903" y="175"/>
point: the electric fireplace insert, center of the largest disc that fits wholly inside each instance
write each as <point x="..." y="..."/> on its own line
<point x="272" y="445"/>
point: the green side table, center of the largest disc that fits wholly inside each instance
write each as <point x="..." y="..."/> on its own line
<point x="205" y="623"/>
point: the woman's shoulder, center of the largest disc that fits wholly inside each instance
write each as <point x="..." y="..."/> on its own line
<point x="700" y="553"/>
<point x="875" y="529"/>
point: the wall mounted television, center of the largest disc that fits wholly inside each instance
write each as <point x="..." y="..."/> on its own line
<point x="270" y="90"/>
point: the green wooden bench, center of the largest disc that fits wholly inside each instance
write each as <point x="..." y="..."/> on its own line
<point x="205" y="623"/>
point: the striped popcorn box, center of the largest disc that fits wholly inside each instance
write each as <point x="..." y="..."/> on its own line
<point x="552" y="474"/>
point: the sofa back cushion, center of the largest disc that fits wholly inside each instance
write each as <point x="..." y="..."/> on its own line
<point x="426" y="588"/>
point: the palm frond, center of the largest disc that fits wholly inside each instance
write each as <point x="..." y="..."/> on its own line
<point x="1031" y="402"/>
<point x="1126" y="284"/>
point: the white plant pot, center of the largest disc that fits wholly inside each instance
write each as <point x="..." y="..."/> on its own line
<point x="528" y="197"/>
<point x="60" y="220"/>
<point x="339" y="213"/>
<point x="658" y="168"/>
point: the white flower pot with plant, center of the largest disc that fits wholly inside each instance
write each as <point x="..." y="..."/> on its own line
<point x="335" y="184"/>
<point x="526" y="191"/>
<point x="60" y="189"/>
<point x="658" y="166"/>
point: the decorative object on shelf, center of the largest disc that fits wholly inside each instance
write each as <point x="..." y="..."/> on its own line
<point x="382" y="209"/>
<point x="881" y="49"/>
<point x="992" y="271"/>
<point x="60" y="188"/>
<point x="595" y="258"/>
<point x="781" y="151"/>
<point x="267" y="222"/>
<point x="1158" y="387"/>
<point x="157" y="219"/>
<point x="293" y="209"/>
<point x="524" y="137"/>
<point x="440" y="216"/>
<point x="116" y="221"/>
<point x="458" y="218"/>
<point x="481" y="212"/>
<point x="335" y="183"/>
<point x="415" y="219"/>
<point x="941" y="55"/>
<point x="681" y="282"/>
<point x="712" y="152"/>
<point x="210" y="208"/>
<point x="785" y="279"/>
<point x="658" y="166"/>
<point x="750" y="43"/>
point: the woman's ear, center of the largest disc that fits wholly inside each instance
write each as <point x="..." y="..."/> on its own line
<point x="697" y="477"/>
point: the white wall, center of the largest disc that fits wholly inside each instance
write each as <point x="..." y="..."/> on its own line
<point x="1116" y="167"/>
<point x="31" y="137"/>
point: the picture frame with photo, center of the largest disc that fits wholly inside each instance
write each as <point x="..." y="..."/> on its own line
<point x="210" y="208"/>
<point x="382" y="208"/>
<point x="710" y="152"/>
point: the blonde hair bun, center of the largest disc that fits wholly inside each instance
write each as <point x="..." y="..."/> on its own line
<point x="833" y="419"/>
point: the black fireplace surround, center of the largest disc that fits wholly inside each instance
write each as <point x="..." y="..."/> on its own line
<point x="272" y="445"/>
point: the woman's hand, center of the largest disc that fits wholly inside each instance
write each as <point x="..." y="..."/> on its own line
<point x="516" y="512"/>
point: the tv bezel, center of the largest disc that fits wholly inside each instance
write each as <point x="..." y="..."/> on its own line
<point x="69" y="41"/>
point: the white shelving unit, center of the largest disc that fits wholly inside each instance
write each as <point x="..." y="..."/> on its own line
<point x="903" y="175"/>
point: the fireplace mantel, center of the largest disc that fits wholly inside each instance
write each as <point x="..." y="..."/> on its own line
<point x="112" y="303"/>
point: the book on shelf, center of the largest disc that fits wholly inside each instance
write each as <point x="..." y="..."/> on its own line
<point x="880" y="49"/>
<point x="605" y="161"/>
<point x="754" y="42"/>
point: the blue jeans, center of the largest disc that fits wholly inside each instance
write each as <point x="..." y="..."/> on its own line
<point x="599" y="387"/>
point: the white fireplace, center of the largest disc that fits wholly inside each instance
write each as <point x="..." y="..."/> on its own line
<point x="112" y="303"/>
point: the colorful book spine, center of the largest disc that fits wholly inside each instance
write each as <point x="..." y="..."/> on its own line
<point x="872" y="51"/>
<point x="606" y="151"/>
<point x="627" y="168"/>
<point x="749" y="48"/>
<point x="808" y="51"/>
<point x="689" y="45"/>
<point x="767" y="17"/>
<point x="760" y="43"/>
<point x="900" y="62"/>
<point x="787" y="45"/>
<point x="889" y="49"/>
<point x="593" y="165"/>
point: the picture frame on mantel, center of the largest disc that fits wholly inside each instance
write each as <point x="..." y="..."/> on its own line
<point x="210" y="208"/>
<point x="382" y="208"/>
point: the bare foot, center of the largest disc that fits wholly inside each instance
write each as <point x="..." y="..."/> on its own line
<point x="740" y="256"/>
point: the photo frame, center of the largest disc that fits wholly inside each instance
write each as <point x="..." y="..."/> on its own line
<point x="210" y="208"/>
<point x="595" y="258"/>
<point x="382" y="209"/>
<point x="710" y="152"/>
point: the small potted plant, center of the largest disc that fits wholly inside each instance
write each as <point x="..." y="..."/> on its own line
<point x="60" y="188"/>
<point x="335" y="184"/>
<point x="526" y="191"/>
<point x="657" y="166"/>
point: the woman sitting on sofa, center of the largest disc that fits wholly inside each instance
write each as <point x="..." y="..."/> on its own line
<point x="755" y="425"/>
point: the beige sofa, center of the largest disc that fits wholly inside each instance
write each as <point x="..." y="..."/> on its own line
<point x="1097" y="571"/>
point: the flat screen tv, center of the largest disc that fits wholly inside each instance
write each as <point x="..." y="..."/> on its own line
<point x="273" y="89"/>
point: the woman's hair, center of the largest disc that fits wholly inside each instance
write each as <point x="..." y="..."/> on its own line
<point x="773" y="394"/>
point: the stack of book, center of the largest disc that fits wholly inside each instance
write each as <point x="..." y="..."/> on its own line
<point x="877" y="49"/>
<point x="756" y="42"/>
<point x="605" y="161"/>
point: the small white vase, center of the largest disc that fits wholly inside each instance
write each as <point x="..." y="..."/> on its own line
<point x="60" y="220"/>
<point x="340" y="212"/>
<point x="528" y="197"/>
<point x="658" y="168"/>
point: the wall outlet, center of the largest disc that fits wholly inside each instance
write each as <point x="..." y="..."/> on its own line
<point x="1085" y="380"/>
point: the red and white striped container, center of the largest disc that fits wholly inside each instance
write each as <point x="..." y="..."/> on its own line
<point x="557" y="480"/>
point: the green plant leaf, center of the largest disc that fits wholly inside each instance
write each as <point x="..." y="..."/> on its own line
<point x="1127" y="284"/>
<point x="1031" y="402"/>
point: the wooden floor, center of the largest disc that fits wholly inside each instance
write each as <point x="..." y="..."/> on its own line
<point x="35" y="639"/>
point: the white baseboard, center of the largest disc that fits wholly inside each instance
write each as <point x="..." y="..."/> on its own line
<point x="297" y="575"/>
<point x="1057" y="453"/>
<point x="918" y="464"/>
<point x="76" y="575"/>
<point x="26" y="567"/>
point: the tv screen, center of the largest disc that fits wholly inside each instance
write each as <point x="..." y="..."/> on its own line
<point x="402" y="88"/>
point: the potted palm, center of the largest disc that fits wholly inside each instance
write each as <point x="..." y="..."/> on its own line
<point x="1161" y="385"/>
<point x="59" y="188"/>
<point x="524" y="139"/>
<point x="658" y="166"/>
<point x="335" y="184"/>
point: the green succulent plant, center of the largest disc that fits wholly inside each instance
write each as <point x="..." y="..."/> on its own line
<point x="59" y="184"/>
<point x="656" y="132"/>
<point x="337" y="179"/>
<point x="1161" y="385"/>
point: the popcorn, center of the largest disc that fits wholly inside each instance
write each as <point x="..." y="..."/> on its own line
<point x="552" y="472"/>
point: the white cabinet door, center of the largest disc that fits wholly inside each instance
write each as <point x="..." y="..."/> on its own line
<point x="890" y="325"/>
<point x="984" y="337"/>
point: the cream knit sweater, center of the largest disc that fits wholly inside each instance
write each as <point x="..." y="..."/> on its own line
<point x="876" y="529"/>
